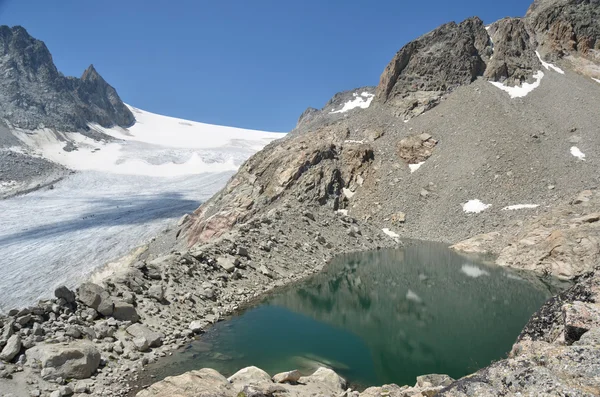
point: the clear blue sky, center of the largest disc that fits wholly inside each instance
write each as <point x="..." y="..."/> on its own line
<point x="247" y="63"/>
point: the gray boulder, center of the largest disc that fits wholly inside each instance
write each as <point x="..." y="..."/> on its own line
<point x="64" y="293"/>
<point x="227" y="263"/>
<point x="287" y="377"/>
<point x="12" y="348"/>
<point x="96" y="297"/>
<point x="125" y="312"/>
<point x="140" y="331"/>
<point x="77" y="360"/>
<point x="156" y="292"/>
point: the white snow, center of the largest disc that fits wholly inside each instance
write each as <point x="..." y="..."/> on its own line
<point x="524" y="89"/>
<point x="475" y="206"/>
<point x="155" y="145"/>
<point x="125" y="193"/>
<point x="411" y="295"/>
<point x="353" y="141"/>
<point x="348" y="193"/>
<point x="414" y="167"/>
<point x="390" y="233"/>
<point x="596" y="80"/>
<point x="491" y="41"/>
<point x="549" y="66"/>
<point x="577" y="153"/>
<point x="342" y="212"/>
<point x="473" y="271"/>
<point x="362" y="100"/>
<point x="520" y="207"/>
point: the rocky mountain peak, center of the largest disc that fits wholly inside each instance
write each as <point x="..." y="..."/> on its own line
<point x="34" y="94"/>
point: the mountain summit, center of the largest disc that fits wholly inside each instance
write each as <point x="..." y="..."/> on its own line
<point x="34" y="94"/>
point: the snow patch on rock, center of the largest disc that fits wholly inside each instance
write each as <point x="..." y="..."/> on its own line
<point x="475" y="206"/>
<point x="577" y="153"/>
<point x="520" y="207"/>
<point x="411" y="295"/>
<point x="524" y="89"/>
<point x="390" y="233"/>
<point x="362" y="100"/>
<point x="414" y="167"/>
<point x="549" y="66"/>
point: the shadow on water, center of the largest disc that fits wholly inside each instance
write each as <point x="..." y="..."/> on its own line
<point x="110" y="212"/>
<point x="378" y="317"/>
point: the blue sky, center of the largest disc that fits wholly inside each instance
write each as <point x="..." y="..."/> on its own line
<point x="247" y="63"/>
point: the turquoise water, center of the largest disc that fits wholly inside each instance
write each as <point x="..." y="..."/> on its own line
<point x="377" y="317"/>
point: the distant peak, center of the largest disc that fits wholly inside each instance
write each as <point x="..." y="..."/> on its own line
<point x="91" y="74"/>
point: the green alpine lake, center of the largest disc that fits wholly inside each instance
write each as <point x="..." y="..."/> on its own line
<point x="375" y="318"/>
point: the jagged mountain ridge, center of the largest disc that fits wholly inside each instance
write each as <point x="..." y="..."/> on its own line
<point x="34" y="94"/>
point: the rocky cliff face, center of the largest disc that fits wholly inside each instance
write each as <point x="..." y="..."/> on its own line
<point x="34" y="94"/>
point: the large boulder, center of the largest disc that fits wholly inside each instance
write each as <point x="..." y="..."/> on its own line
<point x="202" y="383"/>
<point x="249" y="376"/>
<point x="141" y="331"/>
<point x="12" y="348"/>
<point x="77" y="360"/>
<point x="125" y="312"/>
<point x="327" y="379"/>
<point x="96" y="297"/>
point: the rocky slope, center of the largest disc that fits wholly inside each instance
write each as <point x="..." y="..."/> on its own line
<point x="436" y="136"/>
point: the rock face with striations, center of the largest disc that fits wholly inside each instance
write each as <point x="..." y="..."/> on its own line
<point x="34" y="94"/>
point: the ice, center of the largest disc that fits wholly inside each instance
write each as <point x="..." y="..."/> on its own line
<point x="520" y="207"/>
<point x="414" y="167"/>
<point x="524" y="89"/>
<point x="475" y="206"/>
<point x="549" y="66"/>
<point x="473" y="271"/>
<point x="362" y="101"/>
<point x="577" y="153"/>
<point x="60" y="236"/>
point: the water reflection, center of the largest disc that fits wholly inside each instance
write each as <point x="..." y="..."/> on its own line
<point x="380" y="317"/>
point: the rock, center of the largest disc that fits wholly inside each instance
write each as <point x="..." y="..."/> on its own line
<point x="156" y="292"/>
<point x="416" y="148"/>
<point x="12" y="348"/>
<point x="125" y="312"/>
<point x="289" y="377"/>
<point x="579" y="317"/>
<point x="252" y="376"/>
<point x="7" y="330"/>
<point x="140" y="331"/>
<point x="325" y="377"/>
<point x="154" y="268"/>
<point x="263" y="269"/>
<point x="64" y="293"/>
<point x="433" y="380"/>
<point x="96" y="297"/>
<point x="309" y="215"/>
<point x="242" y="251"/>
<point x="77" y="360"/>
<point x="227" y="263"/>
<point x="197" y="326"/>
<point x="65" y="391"/>
<point x="202" y="383"/>
<point x="141" y="343"/>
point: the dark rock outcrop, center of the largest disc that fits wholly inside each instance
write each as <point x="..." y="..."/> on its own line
<point x="34" y="94"/>
<point x="424" y="69"/>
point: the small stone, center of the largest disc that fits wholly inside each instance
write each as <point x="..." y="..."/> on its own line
<point x="196" y="326"/>
<point x="287" y="377"/>
<point x="12" y="348"/>
<point x="141" y="344"/>
<point x="156" y="292"/>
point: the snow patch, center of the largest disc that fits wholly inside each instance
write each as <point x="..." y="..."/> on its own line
<point x="353" y="141"/>
<point x="520" y="207"/>
<point x="596" y="80"/>
<point x="414" y="167"/>
<point x="577" y="153"/>
<point x="8" y="184"/>
<point x="390" y="233"/>
<point x="549" y="66"/>
<point x="348" y="193"/>
<point x="524" y="89"/>
<point x="342" y="212"/>
<point x="411" y="295"/>
<point x="475" y="206"/>
<point x="473" y="271"/>
<point x="362" y="100"/>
